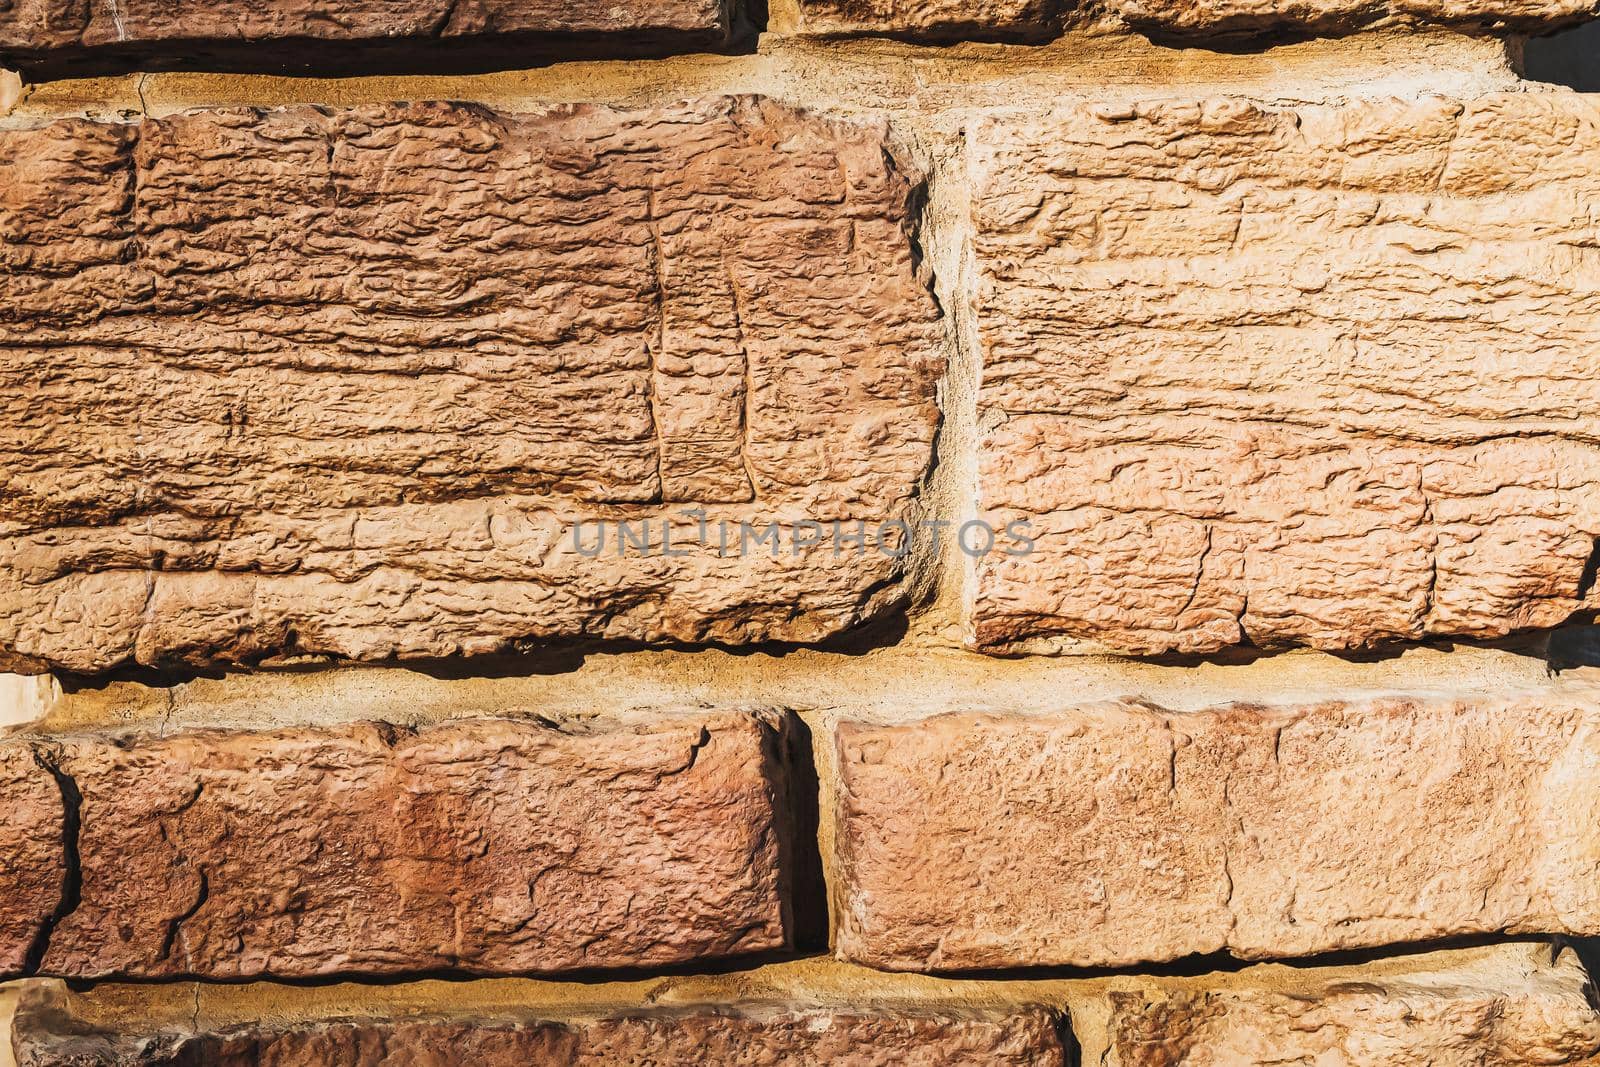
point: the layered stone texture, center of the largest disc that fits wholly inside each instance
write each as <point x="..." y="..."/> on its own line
<point x="374" y="382"/>
<point x="934" y="20"/>
<point x="486" y="846"/>
<point x="1324" y="376"/>
<point x="948" y="20"/>
<point x="1539" y="1017"/>
<point x="46" y="1033"/>
<point x="1119" y="833"/>
<point x="54" y="38"/>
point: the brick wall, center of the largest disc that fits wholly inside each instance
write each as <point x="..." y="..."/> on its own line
<point x="909" y="531"/>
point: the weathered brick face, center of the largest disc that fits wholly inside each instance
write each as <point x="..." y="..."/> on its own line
<point x="1273" y="377"/>
<point x="63" y="37"/>
<point x="1130" y="834"/>
<point x="945" y="20"/>
<point x="345" y="381"/>
<point x="830" y="532"/>
<point x="1542" y="1018"/>
<point x="33" y="859"/>
<point x="486" y="846"/>
<point x="755" y="1033"/>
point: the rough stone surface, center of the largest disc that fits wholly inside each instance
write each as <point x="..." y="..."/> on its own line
<point x="1325" y="376"/>
<point x="32" y="856"/>
<point x="1236" y="18"/>
<point x="47" y="1034"/>
<point x="933" y="19"/>
<point x="485" y="846"/>
<point x="940" y="20"/>
<point x="1543" y="1019"/>
<point x="61" y="37"/>
<point x="1113" y="834"/>
<point x="341" y="380"/>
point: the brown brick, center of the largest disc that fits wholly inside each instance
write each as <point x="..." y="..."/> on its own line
<point x="47" y="1033"/>
<point x="66" y="38"/>
<point x="1249" y="18"/>
<point x="1531" y="1016"/>
<point x="33" y="860"/>
<point x="944" y="20"/>
<point x="1314" y="377"/>
<point x="485" y="846"/>
<point x="1113" y="834"/>
<point x="341" y="380"/>
<point x="936" y="20"/>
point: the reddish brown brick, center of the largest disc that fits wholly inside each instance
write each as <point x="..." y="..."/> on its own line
<point x="486" y="846"/>
<point x="47" y="1033"/>
<point x="56" y="38"/>
<point x="33" y="856"/>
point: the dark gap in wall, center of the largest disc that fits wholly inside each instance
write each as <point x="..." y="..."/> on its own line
<point x="727" y="965"/>
<point x="1588" y="952"/>
<point x="801" y="853"/>
<point x="322" y="58"/>
<point x="1215" y="963"/>
<point x="1574" y="647"/>
<point x="72" y="868"/>
<point x="551" y="657"/>
<point x="1571" y="58"/>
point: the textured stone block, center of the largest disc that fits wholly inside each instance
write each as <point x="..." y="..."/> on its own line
<point x="54" y="38"/>
<point x="933" y="19"/>
<point x="1326" y="376"/>
<point x="484" y="846"/>
<point x="942" y="20"/>
<point x="33" y="859"/>
<point x="341" y="381"/>
<point x="1535" y="1017"/>
<point x="1114" y="834"/>
<point x="47" y="1033"/>
<point x="1247" y="18"/>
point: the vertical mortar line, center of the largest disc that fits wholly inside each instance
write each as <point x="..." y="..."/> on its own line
<point x="948" y="245"/>
<point x="936" y="144"/>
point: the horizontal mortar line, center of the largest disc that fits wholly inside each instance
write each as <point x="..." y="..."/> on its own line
<point x="847" y="73"/>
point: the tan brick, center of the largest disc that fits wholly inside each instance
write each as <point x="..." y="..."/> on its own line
<point x="47" y="1033"/>
<point x="1114" y="834"/>
<point x="1324" y="376"/>
<point x="485" y="846"/>
<point x="64" y="38"/>
<point x="1533" y="1016"/>
<point x="352" y="398"/>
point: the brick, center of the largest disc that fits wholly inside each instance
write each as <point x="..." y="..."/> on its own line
<point x="33" y="859"/>
<point x="46" y="1032"/>
<point x="1120" y="833"/>
<point x="936" y="20"/>
<point x="1252" y="18"/>
<point x="64" y="38"/>
<point x="341" y="381"/>
<point x="1032" y="20"/>
<point x="483" y="846"/>
<point x="1530" y="1017"/>
<point x="1322" y="376"/>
